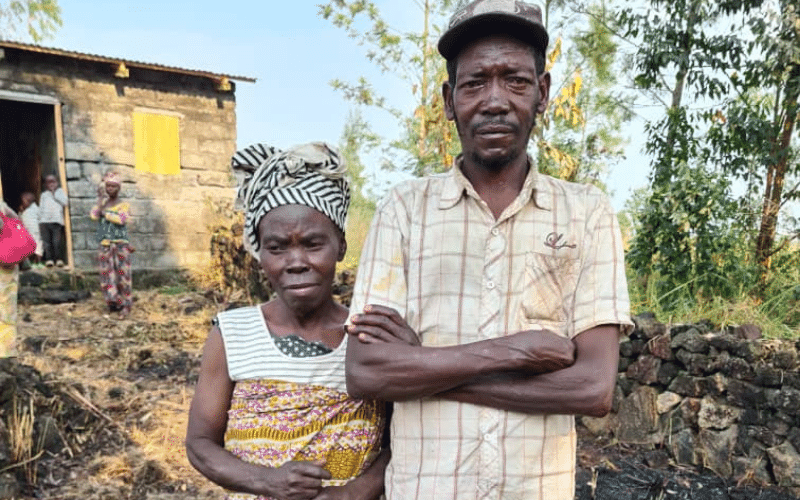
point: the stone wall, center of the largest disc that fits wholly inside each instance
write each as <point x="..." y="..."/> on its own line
<point x="172" y="215"/>
<point x="725" y="400"/>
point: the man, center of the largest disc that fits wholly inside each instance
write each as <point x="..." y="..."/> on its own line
<point x="489" y="299"/>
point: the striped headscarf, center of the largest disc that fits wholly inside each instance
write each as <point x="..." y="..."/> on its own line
<point x="309" y="174"/>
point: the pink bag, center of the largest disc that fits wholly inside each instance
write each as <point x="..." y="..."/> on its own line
<point x="15" y="241"/>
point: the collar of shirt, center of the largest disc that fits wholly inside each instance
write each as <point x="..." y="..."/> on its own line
<point x="457" y="187"/>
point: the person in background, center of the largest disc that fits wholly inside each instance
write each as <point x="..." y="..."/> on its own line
<point x="9" y="284"/>
<point x="490" y="299"/>
<point x="51" y="221"/>
<point x="114" y="251"/>
<point x="29" y="214"/>
<point x="271" y="417"/>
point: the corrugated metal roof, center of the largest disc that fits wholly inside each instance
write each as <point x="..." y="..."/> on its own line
<point x="115" y="60"/>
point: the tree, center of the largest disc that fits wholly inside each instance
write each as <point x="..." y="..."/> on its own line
<point x="412" y="56"/>
<point x="741" y="132"/>
<point x="687" y="242"/>
<point x="580" y="135"/>
<point x="40" y="18"/>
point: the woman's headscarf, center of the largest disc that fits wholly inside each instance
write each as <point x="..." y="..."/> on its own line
<point x="111" y="178"/>
<point x="309" y="174"/>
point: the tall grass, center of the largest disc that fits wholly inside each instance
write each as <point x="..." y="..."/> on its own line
<point x="774" y="308"/>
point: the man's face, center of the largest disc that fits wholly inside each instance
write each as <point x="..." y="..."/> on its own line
<point x="496" y="98"/>
<point x="50" y="183"/>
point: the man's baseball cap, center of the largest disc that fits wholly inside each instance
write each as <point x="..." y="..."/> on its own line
<point x="488" y="17"/>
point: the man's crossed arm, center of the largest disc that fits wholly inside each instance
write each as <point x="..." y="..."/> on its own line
<point x="532" y="371"/>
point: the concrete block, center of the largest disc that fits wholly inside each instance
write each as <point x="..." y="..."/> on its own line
<point x="74" y="170"/>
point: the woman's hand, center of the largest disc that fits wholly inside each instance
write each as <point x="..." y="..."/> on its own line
<point x="297" y="480"/>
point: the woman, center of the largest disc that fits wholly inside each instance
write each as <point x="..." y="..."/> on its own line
<point x="115" y="250"/>
<point x="271" y="417"/>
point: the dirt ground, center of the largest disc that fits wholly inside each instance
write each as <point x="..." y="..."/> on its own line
<point x="119" y="391"/>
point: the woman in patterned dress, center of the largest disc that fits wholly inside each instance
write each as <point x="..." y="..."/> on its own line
<point x="115" y="251"/>
<point x="9" y="283"/>
<point x="271" y="417"/>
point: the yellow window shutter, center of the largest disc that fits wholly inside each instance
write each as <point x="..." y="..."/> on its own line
<point x="156" y="143"/>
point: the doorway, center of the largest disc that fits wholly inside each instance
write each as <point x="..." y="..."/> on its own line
<point x="28" y="149"/>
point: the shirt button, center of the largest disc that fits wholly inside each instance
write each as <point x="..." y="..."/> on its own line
<point x="495" y="231"/>
<point x="490" y="285"/>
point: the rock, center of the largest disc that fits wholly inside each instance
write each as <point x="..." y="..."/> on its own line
<point x="9" y="486"/>
<point x="687" y="386"/>
<point x="716" y="415"/>
<point x="689" y="409"/>
<point x="717" y="449"/>
<point x="64" y="296"/>
<point x="696" y="364"/>
<point x="5" y="445"/>
<point x="747" y="332"/>
<point x="598" y="426"/>
<point x="647" y="326"/>
<point x="8" y="386"/>
<point x="749" y="471"/>
<point x="667" y="372"/>
<point x="682" y="446"/>
<point x="660" y="347"/>
<point x="657" y="459"/>
<point x="738" y="368"/>
<point x="637" y="421"/>
<point x="46" y="433"/>
<point x="785" y="465"/>
<point x="768" y="376"/>
<point x="752" y="416"/>
<point x="785" y="360"/>
<point x="787" y="400"/>
<point x="691" y="340"/>
<point x="794" y="438"/>
<point x="764" y="435"/>
<point x="792" y="379"/>
<point x="645" y="369"/>
<point x="746" y="395"/>
<point x="666" y="401"/>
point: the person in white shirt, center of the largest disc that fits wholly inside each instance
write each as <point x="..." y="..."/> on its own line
<point x="29" y="214"/>
<point x="51" y="221"/>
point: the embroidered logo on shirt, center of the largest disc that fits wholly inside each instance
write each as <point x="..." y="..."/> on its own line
<point x="553" y="240"/>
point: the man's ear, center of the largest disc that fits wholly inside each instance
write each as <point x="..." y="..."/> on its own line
<point x="544" y="92"/>
<point x="447" y="97"/>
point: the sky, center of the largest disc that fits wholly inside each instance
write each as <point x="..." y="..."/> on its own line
<point x="291" y="51"/>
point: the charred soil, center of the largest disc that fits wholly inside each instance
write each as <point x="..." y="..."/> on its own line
<point x="96" y="408"/>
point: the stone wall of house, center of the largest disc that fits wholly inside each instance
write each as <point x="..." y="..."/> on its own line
<point x="172" y="214"/>
<point x="727" y="400"/>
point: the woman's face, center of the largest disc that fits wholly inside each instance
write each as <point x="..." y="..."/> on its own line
<point x="300" y="247"/>
<point x="112" y="189"/>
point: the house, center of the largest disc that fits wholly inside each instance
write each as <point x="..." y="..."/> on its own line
<point x="169" y="132"/>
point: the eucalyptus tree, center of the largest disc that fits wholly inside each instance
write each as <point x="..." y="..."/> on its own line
<point x="690" y="233"/>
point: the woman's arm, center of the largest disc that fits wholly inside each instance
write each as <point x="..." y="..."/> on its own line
<point x="208" y="418"/>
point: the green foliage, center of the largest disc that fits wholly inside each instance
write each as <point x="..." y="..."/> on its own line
<point x="580" y="136"/>
<point x="740" y="59"/>
<point x="427" y="136"/>
<point x="40" y="18"/>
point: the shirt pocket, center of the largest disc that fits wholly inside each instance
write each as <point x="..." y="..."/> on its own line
<point x="549" y="287"/>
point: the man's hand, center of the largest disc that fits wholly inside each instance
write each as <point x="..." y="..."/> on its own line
<point x="297" y="480"/>
<point x="381" y="324"/>
<point x="540" y="351"/>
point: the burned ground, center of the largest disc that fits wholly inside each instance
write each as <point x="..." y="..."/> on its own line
<point x="104" y="405"/>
